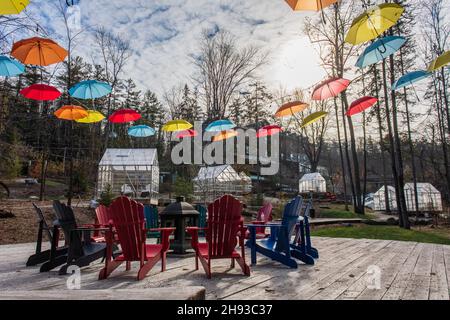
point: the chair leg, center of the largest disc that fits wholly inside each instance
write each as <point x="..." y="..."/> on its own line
<point x="148" y="265"/>
<point x="196" y="262"/>
<point x="108" y="269"/>
<point x="163" y="262"/>
<point x="128" y="266"/>
<point x="245" y="268"/>
<point x="232" y="263"/>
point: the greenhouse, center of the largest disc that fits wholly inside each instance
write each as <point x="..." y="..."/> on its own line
<point x="379" y="199"/>
<point x="131" y="172"/>
<point x="429" y="198"/>
<point x="312" y="182"/>
<point x="216" y="181"/>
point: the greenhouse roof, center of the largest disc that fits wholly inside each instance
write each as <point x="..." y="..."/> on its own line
<point x="128" y="157"/>
<point x="223" y="173"/>
<point x="312" y="176"/>
<point x="422" y="187"/>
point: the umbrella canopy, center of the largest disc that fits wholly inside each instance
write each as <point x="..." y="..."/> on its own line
<point x="13" y="6"/>
<point x="90" y="89"/>
<point x="269" y="130"/>
<point x="330" y="88"/>
<point x="141" y="131"/>
<point x="316" y="116"/>
<point x="440" y="62"/>
<point x="176" y="125"/>
<point x="225" y="135"/>
<point x="71" y="113"/>
<point x="187" y="134"/>
<point x="379" y="50"/>
<point x="220" y="125"/>
<point x="373" y="22"/>
<point x="124" y="116"/>
<point x="92" y="117"/>
<point x="38" y="51"/>
<point x="290" y="109"/>
<point x="10" y="67"/>
<point x="409" y="79"/>
<point x="360" y="105"/>
<point x="310" y="5"/>
<point x="41" y="92"/>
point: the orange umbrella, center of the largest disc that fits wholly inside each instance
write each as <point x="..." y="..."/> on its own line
<point x="224" y="135"/>
<point x="38" y="51"/>
<point x="290" y="109"/>
<point x="71" y="113"/>
<point x="310" y="5"/>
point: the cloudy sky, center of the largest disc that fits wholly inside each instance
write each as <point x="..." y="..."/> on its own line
<point x="164" y="35"/>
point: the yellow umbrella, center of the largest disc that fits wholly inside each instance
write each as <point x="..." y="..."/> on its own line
<point x="176" y="125"/>
<point x="224" y="135"/>
<point x="313" y="118"/>
<point x="373" y="22"/>
<point x="92" y="117"/>
<point x="291" y="108"/>
<point x="310" y="5"/>
<point x="13" y="6"/>
<point x="440" y="62"/>
<point x="71" y="113"/>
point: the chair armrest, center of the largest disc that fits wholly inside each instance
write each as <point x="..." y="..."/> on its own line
<point x="258" y="222"/>
<point x="193" y="232"/>
<point x="165" y="234"/>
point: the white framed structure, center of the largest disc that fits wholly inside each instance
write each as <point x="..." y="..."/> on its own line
<point x="246" y="182"/>
<point x="133" y="172"/>
<point x="215" y="181"/>
<point x="312" y="182"/>
<point x="429" y="198"/>
<point x="379" y="199"/>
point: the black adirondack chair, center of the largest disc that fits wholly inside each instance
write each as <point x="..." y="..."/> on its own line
<point x="42" y="256"/>
<point x="82" y="250"/>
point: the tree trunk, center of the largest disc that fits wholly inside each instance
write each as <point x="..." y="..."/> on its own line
<point x="341" y="154"/>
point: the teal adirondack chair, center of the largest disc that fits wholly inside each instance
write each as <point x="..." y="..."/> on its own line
<point x="201" y="218"/>
<point x="151" y="221"/>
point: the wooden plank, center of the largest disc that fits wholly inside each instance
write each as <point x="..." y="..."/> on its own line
<point x="439" y="289"/>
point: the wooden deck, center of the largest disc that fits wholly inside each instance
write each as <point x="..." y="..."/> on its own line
<point x="409" y="270"/>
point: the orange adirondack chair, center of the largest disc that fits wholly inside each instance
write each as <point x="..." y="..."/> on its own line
<point x="129" y="225"/>
<point x="225" y="225"/>
<point x="264" y="216"/>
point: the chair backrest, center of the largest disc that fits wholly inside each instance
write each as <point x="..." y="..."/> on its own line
<point x="65" y="217"/>
<point x="306" y="210"/>
<point x="291" y="213"/>
<point x="224" y="221"/>
<point x="151" y="217"/>
<point x="265" y="213"/>
<point x="202" y="215"/>
<point x="103" y="215"/>
<point x="42" y="223"/>
<point x="129" y="222"/>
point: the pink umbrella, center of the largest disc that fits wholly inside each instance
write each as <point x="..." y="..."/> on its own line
<point x="187" y="134"/>
<point x="330" y="88"/>
<point x="360" y="105"/>
<point x="269" y="130"/>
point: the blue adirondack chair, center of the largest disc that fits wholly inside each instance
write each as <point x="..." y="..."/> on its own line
<point x="151" y="221"/>
<point x="278" y="245"/>
<point x="302" y="239"/>
<point x="201" y="218"/>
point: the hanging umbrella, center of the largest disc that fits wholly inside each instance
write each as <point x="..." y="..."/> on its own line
<point x="90" y="89"/>
<point x="220" y="125"/>
<point x="440" y="61"/>
<point x="141" y="131"/>
<point x="224" y="135"/>
<point x="309" y="5"/>
<point x="10" y="67"/>
<point x="176" y="125"/>
<point x="379" y="50"/>
<point x="409" y="79"/>
<point x="316" y="116"/>
<point x="330" y="88"/>
<point x="373" y="22"/>
<point x="13" y="6"/>
<point x="268" y="131"/>
<point x="92" y="117"/>
<point x="124" y="116"/>
<point x="187" y="134"/>
<point x="41" y="92"/>
<point x="360" y="105"/>
<point x="71" y="113"/>
<point x="38" y="51"/>
<point x="290" y="109"/>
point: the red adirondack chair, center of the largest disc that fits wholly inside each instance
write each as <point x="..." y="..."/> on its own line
<point x="129" y="225"/>
<point x="102" y="220"/>
<point x="225" y="225"/>
<point x="264" y="216"/>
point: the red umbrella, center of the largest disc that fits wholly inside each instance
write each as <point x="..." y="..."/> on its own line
<point x="41" y="92"/>
<point x="124" y="115"/>
<point x="187" y="134"/>
<point x="330" y="88"/>
<point x="360" y="105"/>
<point x="267" y="131"/>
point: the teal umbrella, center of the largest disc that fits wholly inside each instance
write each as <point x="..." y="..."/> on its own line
<point x="10" y="67"/>
<point x="141" y="131"/>
<point x="90" y="89"/>
<point x="220" y="125"/>
<point x="409" y="79"/>
<point x="379" y="50"/>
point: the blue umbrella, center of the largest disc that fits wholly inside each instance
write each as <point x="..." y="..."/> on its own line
<point x="90" y="89"/>
<point x="10" y="67"/>
<point x="379" y="50"/>
<point x="141" y="131"/>
<point x="220" y="125"/>
<point x="410" y="78"/>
